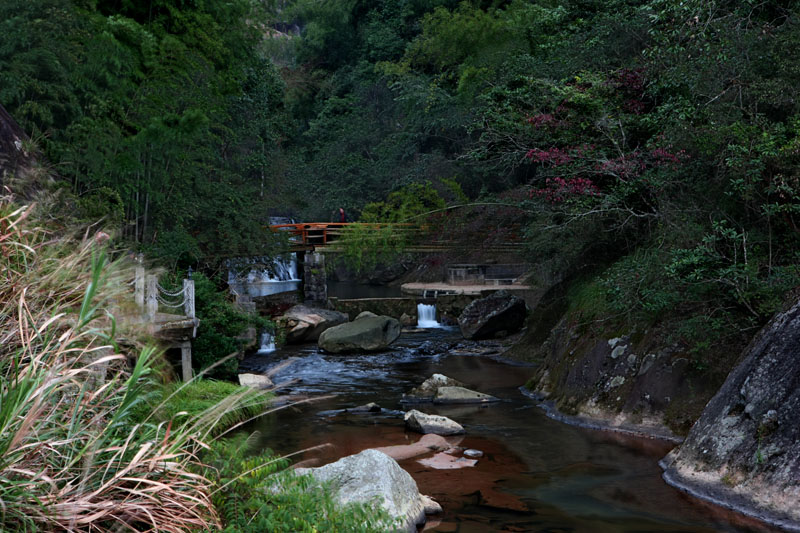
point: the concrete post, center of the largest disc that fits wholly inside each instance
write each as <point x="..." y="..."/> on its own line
<point x="188" y="302"/>
<point x="152" y="296"/>
<point x="138" y="286"/>
<point x="186" y="361"/>
<point x="314" y="279"/>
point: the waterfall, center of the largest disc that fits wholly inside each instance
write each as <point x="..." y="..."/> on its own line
<point x="426" y="316"/>
<point x="267" y="343"/>
<point x="282" y="276"/>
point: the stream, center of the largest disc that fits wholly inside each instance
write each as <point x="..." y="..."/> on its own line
<point x="537" y="474"/>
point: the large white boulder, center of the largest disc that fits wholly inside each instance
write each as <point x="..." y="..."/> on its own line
<point x="373" y="476"/>
<point x="305" y="324"/>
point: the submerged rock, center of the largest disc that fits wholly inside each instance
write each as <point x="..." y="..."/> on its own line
<point x="427" y="444"/>
<point x="461" y="395"/>
<point x="497" y="315"/>
<point x="305" y="324"/>
<point x="445" y="461"/>
<point x="373" y="476"/>
<point x="744" y="450"/>
<point x="425" y="423"/>
<point x="368" y="333"/>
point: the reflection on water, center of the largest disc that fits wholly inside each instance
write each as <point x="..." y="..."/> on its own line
<point x="537" y="474"/>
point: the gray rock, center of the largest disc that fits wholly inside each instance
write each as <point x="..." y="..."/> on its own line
<point x="373" y="476"/>
<point x="365" y="334"/>
<point x="446" y="395"/>
<point x="473" y="454"/>
<point x="364" y="314"/>
<point x="647" y="363"/>
<point x="305" y="324"/>
<point x="425" y="423"/>
<point x="499" y="314"/>
<point x="256" y="381"/>
<point x="747" y="434"/>
<point x="427" y="391"/>
<point x="615" y="382"/>
<point x="619" y="350"/>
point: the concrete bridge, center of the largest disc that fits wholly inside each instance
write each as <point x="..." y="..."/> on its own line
<point x="168" y="314"/>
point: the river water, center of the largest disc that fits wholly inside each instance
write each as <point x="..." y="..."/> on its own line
<point x="537" y="474"/>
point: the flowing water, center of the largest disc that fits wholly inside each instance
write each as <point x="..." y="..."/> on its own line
<point x="426" y="316"/>
<point x="282" y="276"/>
<point x="267" y="344"/>
<point x="536" y="474"/>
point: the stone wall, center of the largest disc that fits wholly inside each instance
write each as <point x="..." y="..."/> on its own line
<point x="448" y="307"/>
<point x="315" y="288"/>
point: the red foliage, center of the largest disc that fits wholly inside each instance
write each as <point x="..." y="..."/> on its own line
<point x="558" y="189"/>
<point x="552" y="156"/>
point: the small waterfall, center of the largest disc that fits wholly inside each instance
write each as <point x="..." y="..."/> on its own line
<point x="281" y="277"/>
<point x="267" y="343"/>
<point x="426" y="316"/>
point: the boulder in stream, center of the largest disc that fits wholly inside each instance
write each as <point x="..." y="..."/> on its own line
<point x="373" y="476"/>
<point x="426" y="391"/>
<point x="425" y="423"/>
<point x="444" y="390"/>
<point x="256" y="381"/>
<point x="368" y="333"/>
<point x="305" y="324"/>
<point x="498" y="315"/>
<point x="744" y="450"/>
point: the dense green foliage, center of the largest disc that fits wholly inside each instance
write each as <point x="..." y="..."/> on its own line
<point x="221" y="331"/>
<point x="650" y="143"/>
<point x="164" y="118"/>
<point x="653" y="143"/>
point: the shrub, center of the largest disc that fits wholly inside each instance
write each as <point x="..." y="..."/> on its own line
<point x="71" y="455"/>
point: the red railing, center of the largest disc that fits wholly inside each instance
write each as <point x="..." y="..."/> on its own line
<point x="322" y="233"/>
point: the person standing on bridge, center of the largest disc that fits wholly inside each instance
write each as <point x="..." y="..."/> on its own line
<point x="342" y="216"/>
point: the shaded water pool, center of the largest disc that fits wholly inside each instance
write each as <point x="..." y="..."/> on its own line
<point x="536" y="474"/>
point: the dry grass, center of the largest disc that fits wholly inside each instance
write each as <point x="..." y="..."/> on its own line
<point x="70" y="456"/>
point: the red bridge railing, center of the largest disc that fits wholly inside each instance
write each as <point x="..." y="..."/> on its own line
<point x="311" y="234"/>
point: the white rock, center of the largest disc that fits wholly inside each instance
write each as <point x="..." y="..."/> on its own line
<point x="373" y="476"/>
<point x="425" y="423"/>
<point x="257" y="381"/>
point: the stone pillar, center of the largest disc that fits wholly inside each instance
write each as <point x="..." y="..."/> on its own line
<point x="188" y="297"/>
<point x="138" y="286"/>
<point x="152" y="296"/>
<point x="186" y="361"/>
<point x="314" y="280"/>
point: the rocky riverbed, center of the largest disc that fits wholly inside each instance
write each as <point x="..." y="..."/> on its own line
<point x="535" y="474"/>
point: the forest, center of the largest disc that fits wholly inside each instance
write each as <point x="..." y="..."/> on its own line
<point x="649" y="145"/>
<point x="648" y="149"/>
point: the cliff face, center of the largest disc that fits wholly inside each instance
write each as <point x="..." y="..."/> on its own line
<point x="13" y="152"/>
<point x="744" y="450"/>
<point x="19" y="171"/>
<point x="623" y="379"/>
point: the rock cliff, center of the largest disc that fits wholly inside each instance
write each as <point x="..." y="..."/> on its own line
<point x="744" y="450"/>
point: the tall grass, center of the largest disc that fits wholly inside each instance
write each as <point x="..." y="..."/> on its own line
<point x="71" y="456"/>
